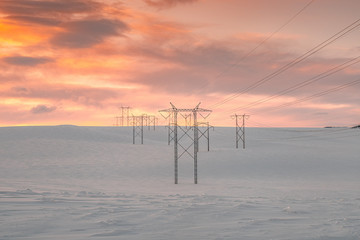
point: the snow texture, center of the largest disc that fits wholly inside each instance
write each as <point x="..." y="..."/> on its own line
<point x="69" y="182"/>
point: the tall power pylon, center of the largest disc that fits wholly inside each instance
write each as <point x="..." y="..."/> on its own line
<point x="171" y="128"/>
<point x="182" y="132"/>
<point x="240" y="128"/>
<point x="188" y="121"/>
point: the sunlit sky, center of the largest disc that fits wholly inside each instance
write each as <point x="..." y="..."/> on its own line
<point x="78" y="61"/>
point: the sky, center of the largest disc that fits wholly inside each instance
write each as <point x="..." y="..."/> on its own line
<point x="285" y="63"/>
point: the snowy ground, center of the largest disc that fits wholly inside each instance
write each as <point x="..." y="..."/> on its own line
<point x="69" y="182"/>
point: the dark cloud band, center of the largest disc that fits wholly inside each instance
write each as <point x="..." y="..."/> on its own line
<point x="86" y="33"/>
<point x="26" y="61"/>
<point x="35" y="20"/>
<point x="42" y="7"/>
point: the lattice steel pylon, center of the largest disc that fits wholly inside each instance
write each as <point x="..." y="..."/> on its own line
<point x="138" y="128"/>
<point x="204" y="128"/>
<point x="117" y="121"/>
<point x="151" y="121"/>
<point x="182" y="132"/>
<point x="240" y="129"/>
<point x="125" y="111"/>
<point x="170" y="126"/>
<point x="188" y="122"/>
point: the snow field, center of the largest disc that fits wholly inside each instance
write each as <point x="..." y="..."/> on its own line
<point x="68" y="182"/>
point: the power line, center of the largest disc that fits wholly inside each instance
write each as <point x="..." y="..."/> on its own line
<point x="323" y="133"/>
<point x="316" y="95"/>
<point x="260" y="124"/>
<point x="297" y="60"/>
<point x="259" y="45"/>
<point x="265" y="40"/>
<point x="304" y="83"/>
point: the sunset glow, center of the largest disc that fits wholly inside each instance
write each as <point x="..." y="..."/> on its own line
<point x="78" y="61"/>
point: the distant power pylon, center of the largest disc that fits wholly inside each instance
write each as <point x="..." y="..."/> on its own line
<point x="138" y="128"/>
<point x="117" y="120"/>
<point x="204" y="128"/>
<point x="124" y="119"/>
<point x="125" y="111"/>
<point x="182" y="132"/>
<point x="151" y="121"/>
<point x="240" y="128"/>
<point x="145" y="119"/>
<point x="169" y="116"/>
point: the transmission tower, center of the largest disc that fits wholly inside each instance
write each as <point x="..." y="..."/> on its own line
<point x="204" y="128"/>
<point x="151" y="122"/>
<point x="169" y="116"/>
<point x="182" y="132"/>
<point x="138" y="128"/>
<point x="117" y="121"/>
<point x="125" y="111"/>
<point x="171" y="128"/>
<point x="240" y="128"/>
<point x="188" y="121"/>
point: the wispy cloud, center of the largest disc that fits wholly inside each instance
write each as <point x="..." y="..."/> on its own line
<point x="79" y="95"/>
<point x="40" y="109"/>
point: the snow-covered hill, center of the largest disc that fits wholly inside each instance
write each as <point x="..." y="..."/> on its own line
<point x="69" y="182"/>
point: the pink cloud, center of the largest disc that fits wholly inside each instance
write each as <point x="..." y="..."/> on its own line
<point x="166" y="3"/>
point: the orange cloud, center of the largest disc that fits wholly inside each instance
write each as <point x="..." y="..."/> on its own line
<point x="166" y="3"/>
<point x="89" y="64"/>
<point x="21" y="35"/>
